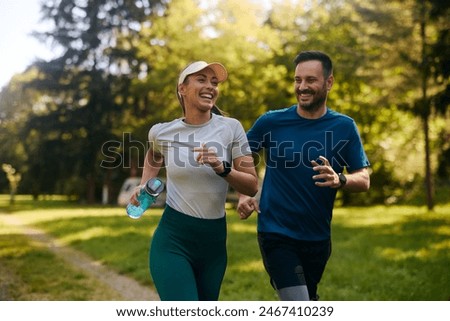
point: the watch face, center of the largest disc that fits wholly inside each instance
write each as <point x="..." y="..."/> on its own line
<point x="226" y="169"/>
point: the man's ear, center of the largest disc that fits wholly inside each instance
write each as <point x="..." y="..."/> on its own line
<point x="330" y="82"/>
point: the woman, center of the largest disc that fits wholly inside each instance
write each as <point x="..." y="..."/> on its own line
<point x="203" y="153"/>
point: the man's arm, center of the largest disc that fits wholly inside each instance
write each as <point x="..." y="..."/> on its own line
<point x="356" y="181"/>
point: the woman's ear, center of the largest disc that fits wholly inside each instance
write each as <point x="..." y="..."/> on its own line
<point x="181" y="89"/>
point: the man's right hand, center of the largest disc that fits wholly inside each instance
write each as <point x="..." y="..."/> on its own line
<point x="246" y="206"/>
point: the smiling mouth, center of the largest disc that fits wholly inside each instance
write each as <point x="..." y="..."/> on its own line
<point x="206" y="96"/>
<point x="305" y="96"/>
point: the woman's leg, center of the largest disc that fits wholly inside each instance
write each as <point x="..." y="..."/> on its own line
<point x="171" y="270"/>
<point x="211" y="269"/>
<point x="188" y="257"/>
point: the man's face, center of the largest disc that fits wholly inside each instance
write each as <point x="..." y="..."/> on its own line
<point x="311" y="88"/>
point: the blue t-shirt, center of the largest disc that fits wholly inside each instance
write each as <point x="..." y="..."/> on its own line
<point x="291" y="204"/>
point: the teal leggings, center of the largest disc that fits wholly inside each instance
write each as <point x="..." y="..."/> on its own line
<point x="188" y="257"/>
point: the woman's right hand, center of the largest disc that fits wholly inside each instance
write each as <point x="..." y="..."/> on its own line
<point x="135" y="194"/>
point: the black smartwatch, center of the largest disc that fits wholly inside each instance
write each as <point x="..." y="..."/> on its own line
<point x="226" y="169"/>
<point x="342" y="180"/>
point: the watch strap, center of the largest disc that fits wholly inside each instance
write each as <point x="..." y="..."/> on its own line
<point x="342" y="180"/>
<point x="226" y="169"/>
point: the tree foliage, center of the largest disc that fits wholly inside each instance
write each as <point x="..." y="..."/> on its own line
<point x="85" y="87"/>
<point x="116" y="76"/>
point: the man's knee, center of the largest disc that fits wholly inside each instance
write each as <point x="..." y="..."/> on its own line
<point x="294" y="293"/>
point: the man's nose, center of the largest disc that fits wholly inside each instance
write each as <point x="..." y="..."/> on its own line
<point x="302" y="85"/>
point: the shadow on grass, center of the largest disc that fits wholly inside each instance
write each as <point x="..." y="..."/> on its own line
<point x="406" y="258"/>
<point x="115" y="241"/>
<point x="31" y="273"/>
<point x="27" y="203"/>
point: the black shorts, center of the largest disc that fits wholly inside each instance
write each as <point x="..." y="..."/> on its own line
<point x="282" y="255"/>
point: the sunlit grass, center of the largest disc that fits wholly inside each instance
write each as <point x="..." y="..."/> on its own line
<point x="30" y="272"/>
<point x="389" y="253"/>
<point x="379" y="253"/>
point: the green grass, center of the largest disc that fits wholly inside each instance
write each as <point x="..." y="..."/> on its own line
<point x="379" y="253"/>
<point x="29" y="272"/>
<point x="389" y="253"/>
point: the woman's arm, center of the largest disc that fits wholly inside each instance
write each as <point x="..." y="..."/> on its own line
<point x="152" y="165"/>
<point x="243" y="176"/>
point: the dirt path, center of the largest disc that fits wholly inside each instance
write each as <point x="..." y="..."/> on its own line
<point x="129" y="289"/>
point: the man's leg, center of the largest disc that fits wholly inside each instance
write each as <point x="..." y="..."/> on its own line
<point x="298" y="292"/>
<point x="314" y="256"/>
<point x="284" y="267"/>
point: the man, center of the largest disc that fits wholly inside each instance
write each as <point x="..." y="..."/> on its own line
<point x="307" y="147"/>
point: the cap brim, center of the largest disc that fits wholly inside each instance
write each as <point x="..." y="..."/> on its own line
<point x="219" y="70"/>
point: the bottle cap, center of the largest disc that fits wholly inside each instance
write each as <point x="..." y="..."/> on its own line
<point x="154" y="186"/>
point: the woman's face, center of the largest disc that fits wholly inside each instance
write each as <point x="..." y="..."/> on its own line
<point x="200" y="90"/>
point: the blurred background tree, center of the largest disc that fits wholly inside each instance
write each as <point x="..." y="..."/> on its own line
<point x="82" y="93"/>
<point x="78" y="123"/>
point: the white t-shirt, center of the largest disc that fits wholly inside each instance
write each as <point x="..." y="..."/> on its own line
<point x="192" y="188"/>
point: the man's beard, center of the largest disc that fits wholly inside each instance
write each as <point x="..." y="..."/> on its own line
<point x="319" y="99"/>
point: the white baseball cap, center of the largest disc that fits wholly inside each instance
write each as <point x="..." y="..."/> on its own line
<point x="219" y="70"/>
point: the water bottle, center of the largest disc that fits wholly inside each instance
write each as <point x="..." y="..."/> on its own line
<point x="147" y="196"/>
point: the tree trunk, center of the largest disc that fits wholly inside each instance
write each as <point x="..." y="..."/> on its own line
<point x="428" y="174"/>
<point x="426" y="109"/>
<point x="90" y="189"/>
